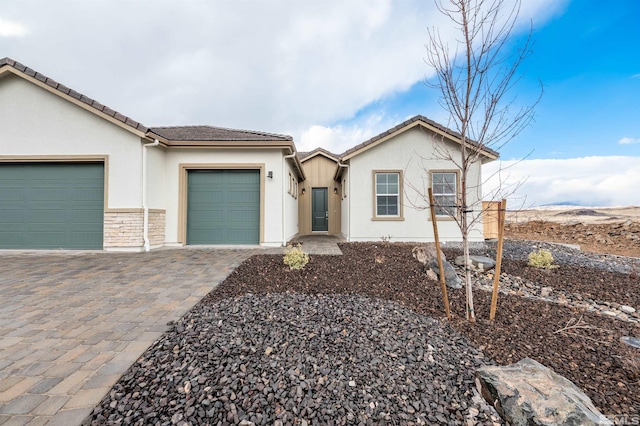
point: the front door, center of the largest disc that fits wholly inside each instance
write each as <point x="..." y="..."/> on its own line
<point x="320" y="210"/>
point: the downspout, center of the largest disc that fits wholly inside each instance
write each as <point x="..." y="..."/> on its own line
<point x="284" y="169"/>
<point x="145" y="207"/>
<point x="346" y="166"/>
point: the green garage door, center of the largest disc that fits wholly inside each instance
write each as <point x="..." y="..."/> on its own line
<point x="223" y="207"/>
<point x="51" y="205"/>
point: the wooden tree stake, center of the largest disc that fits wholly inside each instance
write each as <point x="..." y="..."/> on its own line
<point x="502" y="212"/>
<point x="440" y="267"/>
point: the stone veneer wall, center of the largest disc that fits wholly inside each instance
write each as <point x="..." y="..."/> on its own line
<point x="156" y="227"/>
<point x="125" y="228"/>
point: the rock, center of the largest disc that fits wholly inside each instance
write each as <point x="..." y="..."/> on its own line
<point x="627" y="309"/>
<point x="545" y="291"/>
<point x="432" y="275"/>
<point x="528" y="393"/>
<point x="427" y="255"/>
<point x="450" y="276"/>
<point x="631" y="341"/>
<point x="482" y="263"/>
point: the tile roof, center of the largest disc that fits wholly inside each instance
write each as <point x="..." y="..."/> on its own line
<point x="211" y="133"/>
<point x="304" y="155"/>
<point x="70" y="92"/>
<point x="406" y="123"/>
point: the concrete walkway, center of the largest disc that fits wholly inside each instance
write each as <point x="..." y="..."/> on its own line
<point x="72" y="324"/>
<point x="320" y="244"/>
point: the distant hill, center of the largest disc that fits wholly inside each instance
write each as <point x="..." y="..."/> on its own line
<point x="563" y="203"/>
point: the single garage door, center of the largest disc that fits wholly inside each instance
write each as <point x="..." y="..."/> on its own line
<point x="223" y="207"/>
<point x="51" y="205"/>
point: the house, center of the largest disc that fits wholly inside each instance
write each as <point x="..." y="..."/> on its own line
<point x="377" y="190"/>
<point x="384" y="184"/>
<point x="75" y="174"/>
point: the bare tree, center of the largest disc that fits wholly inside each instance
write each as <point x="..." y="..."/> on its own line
<point x="475" y="76"/>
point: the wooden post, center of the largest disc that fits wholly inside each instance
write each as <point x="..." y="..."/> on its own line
<point x="440" y="267"/>
<point x="502" y="212"/>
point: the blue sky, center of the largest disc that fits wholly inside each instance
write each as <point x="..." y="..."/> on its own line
<point x="334" y="73"/>
<point x="587" y="57"/>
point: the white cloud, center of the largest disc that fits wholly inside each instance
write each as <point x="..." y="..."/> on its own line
<point x="263" y="65"/>
<point x="12" y="29"/>
<point x="587" y="181"/>
<point x="628" y="141"/>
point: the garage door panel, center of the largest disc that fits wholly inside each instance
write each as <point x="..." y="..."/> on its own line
<point x="223" y="207"/>
<point x="243" y="216"/>
<point x="51" y="205"/>
<point x="42" y="218"/>
<point x="80" y="217"/>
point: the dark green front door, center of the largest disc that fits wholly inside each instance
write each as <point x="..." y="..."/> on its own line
<point x="320" y="210"/>
<point x="51" y="205"/>
<point x="223" y="207"/>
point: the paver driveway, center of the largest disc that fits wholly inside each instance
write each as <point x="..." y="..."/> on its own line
<point x="72" y="324"/>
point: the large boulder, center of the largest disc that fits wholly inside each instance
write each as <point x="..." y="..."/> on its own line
<point x="529" y="394"/>
<point x="451" y="278"/>
<point x="482" y="263"/>
<point x="427" y="255"/>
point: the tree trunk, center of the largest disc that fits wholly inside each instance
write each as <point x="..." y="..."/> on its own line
<point x="471" y="313"/>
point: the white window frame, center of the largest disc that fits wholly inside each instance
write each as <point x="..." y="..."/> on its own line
<point x="398" y="195"/>
<point x="446" y="211"/>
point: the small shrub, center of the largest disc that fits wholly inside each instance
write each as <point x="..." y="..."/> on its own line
<point x="541" y="259"/>
<point x="386" y="238"/>
<point x="295" y="258"/>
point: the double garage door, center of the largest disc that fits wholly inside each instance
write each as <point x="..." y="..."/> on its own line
<point x="223" y="207"/>
<point x="51" y="205"/>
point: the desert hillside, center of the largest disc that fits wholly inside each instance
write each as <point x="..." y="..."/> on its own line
<point x="612" y="230"/>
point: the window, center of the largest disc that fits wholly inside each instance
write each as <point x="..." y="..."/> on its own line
<point x="445" y="190"/>
<point x="290" y="191"/>
<point x="344" y="188"/>
<point x="387" y="194"/>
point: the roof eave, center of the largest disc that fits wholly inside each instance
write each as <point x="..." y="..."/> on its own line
<point x="229" y="144"/>
<point x="490" y="154"/>
<point x="316" y="152"/>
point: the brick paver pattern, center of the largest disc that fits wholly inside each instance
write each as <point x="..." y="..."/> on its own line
<point x="72" y="323"/>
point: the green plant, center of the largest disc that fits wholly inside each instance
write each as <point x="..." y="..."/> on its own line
<point x="541" y="259"/>
<point x="295" y="258"/>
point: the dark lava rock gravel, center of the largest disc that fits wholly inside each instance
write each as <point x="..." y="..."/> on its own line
<point x="301" y="359"/>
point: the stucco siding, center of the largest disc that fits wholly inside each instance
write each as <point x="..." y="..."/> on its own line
<point x="291" y="203"/>
<point x="37" y="123"/>
<point x="414" y="154"/>
<point x="344" y="204"/>
<point x="156" y="182"/>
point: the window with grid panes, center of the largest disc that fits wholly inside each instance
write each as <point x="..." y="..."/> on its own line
<point x="445" y="187"/>
<point x="387" y="194"/>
